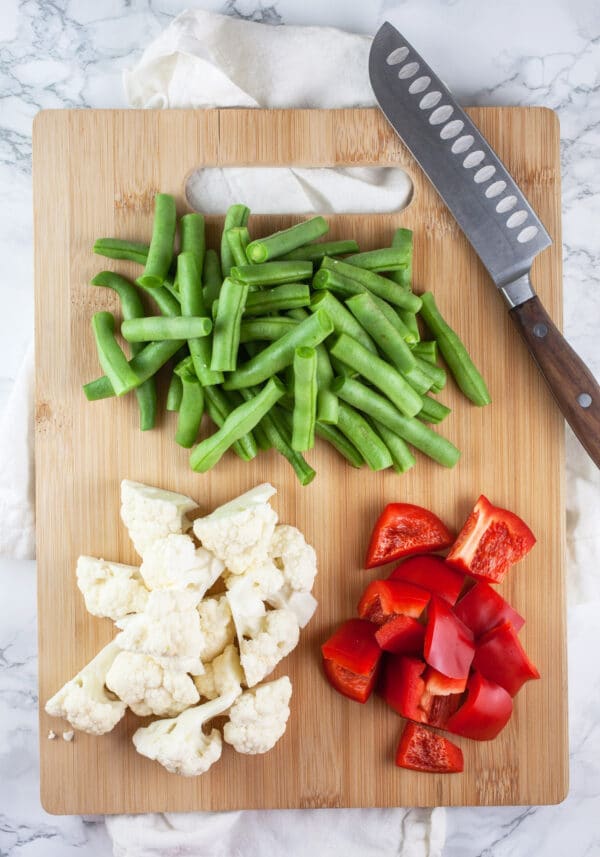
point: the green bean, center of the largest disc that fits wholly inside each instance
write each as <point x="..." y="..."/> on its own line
<point x="272" y="273"/>
<point x="192" y="404"/>
<point x="226" y="339"/>
<point x="327" y="402"/>
<point x="211" y="277"/>
<point x="132" y="307"/>
<point x="288" y="239"/>
<point x="265" y="329"/>
<point x="145" y="365"/>
<point x="420" y="381"/>
<point x="403" y="241"/>
<point x="119" y="372"/>
<point x="380" y="286"/>
<point x="436" y="374"/>
<point x="237" y="215"/>
<point x="359" y="432"/>
<point x="432" y="411"/>
<point x="238" y="239"/>
<point x="386" y="259"/>
<point x="116" y="248"/>
<point x="280" y="354"/>
<point x="343" y="320"/>
<point x="339" y="442"/>
<point x="193" y="305"/>
<point x="409" y="320"/>
<point x="411" y="430"/>
<point x="238" y="423"/>
<point x="315" y="252"/>
<point x="193" y="237"/>
<point x="166" y="301"/>
<point x="305" y="399"/>
<point x="401" y="455"/>
<point x="394" y="319"/>
<point x="455" y="354"/>
<point x="160" y="252"/>
<point x="174" y="393"/>
<point x="288" y="296"/>
<point x="426" y="350"/>
<point x="378" y="372"/>
<point x="155" y="328"/>
<point x="385" y="336"/>
<point x="218" y="406"/>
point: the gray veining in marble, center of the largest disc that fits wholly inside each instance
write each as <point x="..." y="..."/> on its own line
<point x="70" y="53"/>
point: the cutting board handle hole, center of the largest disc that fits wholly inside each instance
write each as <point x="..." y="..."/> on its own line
<point x="300" y="190"/>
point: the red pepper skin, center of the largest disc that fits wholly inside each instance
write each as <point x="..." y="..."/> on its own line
<point x="385" y="598"/>
<point x="482" y="608"/>
<point x="501" y="658"/>
<point x="422" y="750"/>
<point x="484" y="713"/>
<point x="433" y="574"/>
<point x="354" y="647"/>
<point x="448" y="646"/>
<point x="348" y="683"/>
<point x="401" y="635"/>
<point x="403" y="686"/>
<point x="403" y="529"/>
<point x="441" y="708"/>
<point x="438" y="684"/>
<point x="491" y="540"/>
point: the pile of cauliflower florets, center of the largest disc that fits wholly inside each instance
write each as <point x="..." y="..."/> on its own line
<point x="183" y="654"/>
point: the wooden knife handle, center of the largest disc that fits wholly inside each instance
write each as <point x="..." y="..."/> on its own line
<point x="570" y="381"/>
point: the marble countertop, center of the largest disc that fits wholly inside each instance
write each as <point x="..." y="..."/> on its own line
<point x="70" y="53"/>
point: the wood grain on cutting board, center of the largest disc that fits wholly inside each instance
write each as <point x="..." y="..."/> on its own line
<point x="95" y="174"/>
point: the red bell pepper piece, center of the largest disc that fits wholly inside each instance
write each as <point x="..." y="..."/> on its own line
<point x="448" y="644"/>
<point x="501" y="658"/>
<point x="484" y="713"/>
<point x="401" y="634"/>
<point x="422" y="750"/>
<point x="482" y="608"/>
<point x="403" y="686"/>
<point x="433" y="574"/>
<point x="491" y="540"/>
<point x="403" y="529"/>
<point x="385" y="598"/>
<point x="441" y="708"/>
<point x="438" y="684"/>
<point x="350" y="659"/>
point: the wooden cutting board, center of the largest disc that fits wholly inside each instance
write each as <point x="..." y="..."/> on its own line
<point x="95" y="174"/>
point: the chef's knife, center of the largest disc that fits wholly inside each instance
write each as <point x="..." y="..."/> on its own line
<point x="490" y="209"/>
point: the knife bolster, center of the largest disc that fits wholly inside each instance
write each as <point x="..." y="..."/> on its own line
<point x="518" y="291"/>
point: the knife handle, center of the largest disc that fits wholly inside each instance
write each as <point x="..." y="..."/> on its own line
<point x="571" y="382"/>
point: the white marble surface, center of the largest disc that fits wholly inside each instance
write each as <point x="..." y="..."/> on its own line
<point x="57" y="53"/>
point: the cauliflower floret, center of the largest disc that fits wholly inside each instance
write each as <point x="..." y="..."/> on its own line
<point x="83" y="700"/>
<point x="240" y="532"/>
<point x="180" y="743"/>
<point x="149" y="688"/>
<point x="297" y="559"/>
<point x="247" y="608"/>
<point x="151" y="513"/>
<point x="174" y="562"/>
<point x="169" y="628"/>
<point x="277" y="636"/>
<point x="110" y="589"/>
<point x="302" y="604"/>
<point x="216" y="624"/>
<point x="257" y="720"/>
<point x="223" y="675"/>
<point x="264" y="579"/>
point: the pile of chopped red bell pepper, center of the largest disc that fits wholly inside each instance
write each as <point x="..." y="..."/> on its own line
<point x="439" y="643"/>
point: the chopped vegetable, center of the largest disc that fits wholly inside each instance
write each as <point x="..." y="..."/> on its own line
<point x="288" y="239"/>
<point x="404" y="529"/>
<point x="383" y="599"/>
<point x="501" y="658"/>
<point x="433" y="574"/>
<point x="160" y="252"/>
<point x="420" y="749"/>
<point x="401" y="634"/>
<point x="448" y="644"/>
<point x="484" y="713"/>
<point x="482" y="608"/>
<point x="350" y="659"/>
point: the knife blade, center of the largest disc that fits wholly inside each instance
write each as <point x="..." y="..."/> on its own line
<point x="490" y="208"/>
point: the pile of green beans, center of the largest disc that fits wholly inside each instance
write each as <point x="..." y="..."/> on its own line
<point x="279" y="340"/>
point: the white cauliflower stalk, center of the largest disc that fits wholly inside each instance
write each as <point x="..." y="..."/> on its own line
<point x="151" y="513"/>
<point x="302" y="604"/>
<point x="223" y="675"/>
<point x="258" y="719"/>
<point x="110" y="589"/>
<point x="169" y="628"/>
<point x="239" y="533"/>
<point x="277" y="635"/>
<point x="174" y="562"/>
<point x="180" y="744"/>
<point x="149" y="688"/>
<point x="84" y="701"/>
<point x="216" y="624"/>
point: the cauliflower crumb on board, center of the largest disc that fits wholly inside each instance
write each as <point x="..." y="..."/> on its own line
<point x="51" y="735"/>
<point x="200" y="627"/>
